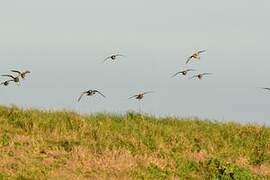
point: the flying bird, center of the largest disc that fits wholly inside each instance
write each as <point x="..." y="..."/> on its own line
<point x="90" y="93"/>
<point x="266" y="88"/>
<point x="196" y="55"/>
<point x="6" y="83"/>
<point x="140" y="96"/>
<point x="113" y="57"/>
<point x="22" y="74"/>
<point x="200" y="76"/>
<point x="16" y="79"/>
<point x="184" y="72"/>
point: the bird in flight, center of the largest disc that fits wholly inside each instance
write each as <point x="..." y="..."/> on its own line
<point x="196" y="55"/>
<point x="22" y="74"/>
<point x="16" y="79"/>
<point x="6" y="83"/>
<point x="90" y="93"/>
<point x="113" y="57"/>
<point x="140" y="96"/>
<point x="184" y="72"/>
<point x="200" y="76"/>
<point x="266" y="88"/>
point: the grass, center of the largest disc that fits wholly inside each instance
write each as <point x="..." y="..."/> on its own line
<point x="65" y="145"/>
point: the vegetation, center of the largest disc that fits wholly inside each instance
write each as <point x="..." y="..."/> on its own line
<point x="65" y="145"/>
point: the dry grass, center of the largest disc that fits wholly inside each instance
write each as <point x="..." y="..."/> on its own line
<point x="66" y="145"/>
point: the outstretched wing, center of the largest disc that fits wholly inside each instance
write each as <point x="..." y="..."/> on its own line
<point x="192" y="77"/>
<point x="177" y="74"/>
<point x="15" y="71"/>
<point x="83" y="93"/>
<point x="266" y="88"/>
<point x="199" y="52"/>
<point x="119" y="55"/>
<point x="133" y="96"/>
<point x="206" y="74"/>
<point x="99" y="93"/>
<point x="148" y="92"/>
<point x="190" y="70"/>
<point x="26" y="72"/>
<point x="7" y="75"/>
<point x="188" y="59"/>
<point x="107" y="58"/>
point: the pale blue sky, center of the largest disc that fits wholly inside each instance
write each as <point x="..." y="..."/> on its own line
<point x="63" y="43"/>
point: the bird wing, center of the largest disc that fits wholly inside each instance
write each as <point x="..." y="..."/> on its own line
<point x="193" y="76"/>
<point x="266" y="88"/>
<point x="99" y="93"/>
<point x="109" y="57"/>
<point x="199" y="52"/>
<point x="119" y="55"/>
<point x="190" y="70"/>
<point x="188" y="59"/>
<point x="206" y="74"/>
<point x="133" y="96"/>
<point x="148" y="92"/>
<point x="177" y="73"/>
<point x="82" y="94"/>
<point x="8" y="75"/>
<point x="26" y="72"/>
<point x="15" y="71"/>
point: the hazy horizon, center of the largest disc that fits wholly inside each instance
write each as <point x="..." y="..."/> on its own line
<point x="64" y="42"/>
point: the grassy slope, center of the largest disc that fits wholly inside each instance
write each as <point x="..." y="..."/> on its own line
<point x="39" y="145"/>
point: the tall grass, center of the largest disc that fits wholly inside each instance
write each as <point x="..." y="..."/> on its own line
<point x="65" y="145"/>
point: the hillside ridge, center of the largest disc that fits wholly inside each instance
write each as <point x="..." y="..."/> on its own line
<point x="38" y="144"/>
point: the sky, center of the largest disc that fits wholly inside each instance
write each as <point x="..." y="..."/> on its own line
<point x="63" y="44"/>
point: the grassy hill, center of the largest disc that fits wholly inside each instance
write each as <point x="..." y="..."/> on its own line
<point x="65" y="145"/>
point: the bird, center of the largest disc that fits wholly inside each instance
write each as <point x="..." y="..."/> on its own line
<point x="140" y="96"/>
<point x="113" y="57"/>
<point x="90" y="93"/>
<point x="184" y="72"/>
<point x="266" y="88"/>
<point x="6" y="83"/>
<point x="16" y="79"/>
<point x="196" y="55"/>
<point x="22" y="74"/>
<point x="200" y="76"/>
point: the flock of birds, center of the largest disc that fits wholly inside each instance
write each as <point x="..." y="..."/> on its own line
<point x="16" y="78"/>
<point x="140" y="96"/>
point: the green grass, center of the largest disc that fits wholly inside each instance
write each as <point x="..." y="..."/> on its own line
<point x="65" y="145"/>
